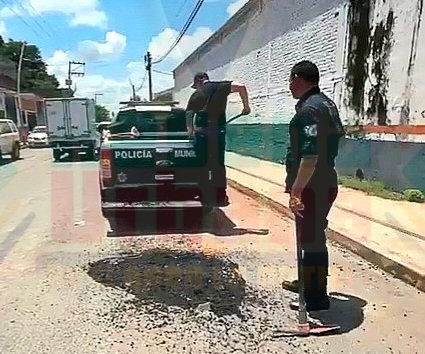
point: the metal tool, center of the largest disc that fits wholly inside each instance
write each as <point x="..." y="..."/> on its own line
<point x="304" y="327"/>
<point x="235" y="117"/>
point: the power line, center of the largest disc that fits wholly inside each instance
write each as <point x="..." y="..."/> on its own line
<point x="182" y="32"/>
<point x="36" y="22"/>
<point x="51" y="29"/>
<point x="162" y="72"/>
<point x="143" y="81"/>
<point x="20" y="17"/>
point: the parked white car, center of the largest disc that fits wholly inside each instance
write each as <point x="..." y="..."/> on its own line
<point x="9" y="139"/>
<point x="38" y="137"/>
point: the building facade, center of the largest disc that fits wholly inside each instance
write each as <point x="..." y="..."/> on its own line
<point x="368" y="52"/>
<point x="165" y="95"/>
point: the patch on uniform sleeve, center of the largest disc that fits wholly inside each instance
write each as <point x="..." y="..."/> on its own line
<point x="310" y="130"/>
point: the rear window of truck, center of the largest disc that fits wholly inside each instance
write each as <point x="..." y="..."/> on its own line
<point x="150" y="122"/>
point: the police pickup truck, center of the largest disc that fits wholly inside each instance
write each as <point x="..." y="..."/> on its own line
<point x="149" y="162"/>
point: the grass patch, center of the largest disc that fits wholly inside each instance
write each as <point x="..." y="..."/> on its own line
<point x="371" y="187"/>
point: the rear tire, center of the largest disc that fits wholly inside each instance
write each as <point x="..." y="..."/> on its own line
<point x="56" y="155"/>
<point x="207" y="217"/>
<point x="91" y="154"/>
<point x="16" y="152"/>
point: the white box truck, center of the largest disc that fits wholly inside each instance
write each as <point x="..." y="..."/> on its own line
<point x="71" y="126"/>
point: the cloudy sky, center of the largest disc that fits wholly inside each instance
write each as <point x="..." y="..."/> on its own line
<point x="112" y="37"/>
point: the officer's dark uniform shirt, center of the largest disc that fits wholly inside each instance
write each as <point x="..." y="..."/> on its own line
<point x="209" y="103"/>
<point x="315" y="129"/>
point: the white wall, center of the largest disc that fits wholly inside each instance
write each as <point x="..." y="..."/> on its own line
<point x="260" y="55"/>
<point x="277" y="33"/>
<point x="407" y="13"/>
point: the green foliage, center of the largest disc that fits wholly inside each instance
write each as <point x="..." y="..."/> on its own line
<point x="34" y="69"/>
<point x="414" y="195"/>
<point x="371" y="187"/>
<point x="378" y="189"/>
<point x="102" y="114"/>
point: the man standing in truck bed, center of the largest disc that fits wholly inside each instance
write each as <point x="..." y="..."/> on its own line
<point x="209" y="103"/>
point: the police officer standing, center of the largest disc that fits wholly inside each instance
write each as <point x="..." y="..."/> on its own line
<point x="208" y="103"/>
<point x="314" y="131"/>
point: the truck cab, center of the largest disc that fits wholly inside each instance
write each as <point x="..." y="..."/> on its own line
<point x="149" y="162"/>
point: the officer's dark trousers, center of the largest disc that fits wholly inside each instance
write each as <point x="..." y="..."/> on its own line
<point x="318" y="198"/>
<point x="212" y="144"/>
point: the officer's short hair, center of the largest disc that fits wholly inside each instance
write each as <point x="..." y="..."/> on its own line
<point x="306" y="70"/>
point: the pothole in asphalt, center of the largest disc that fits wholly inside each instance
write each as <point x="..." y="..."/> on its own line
<point x="175" y="278"/>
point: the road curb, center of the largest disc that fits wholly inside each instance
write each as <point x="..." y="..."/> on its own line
<point x="390" y="266"/>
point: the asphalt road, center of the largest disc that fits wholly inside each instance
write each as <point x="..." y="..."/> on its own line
<point x="164" y="284"/>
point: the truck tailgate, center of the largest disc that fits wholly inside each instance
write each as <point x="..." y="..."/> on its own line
<point x="56" y="122"/>
<point x="78" y="118"/>
<point x="154" y="162"/>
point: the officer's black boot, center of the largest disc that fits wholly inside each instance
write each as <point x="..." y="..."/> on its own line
<point x="319" y="300"/>
<point x="315" y="289"/>
<point x="290" y="285"/>
<point x="221" y="197"/>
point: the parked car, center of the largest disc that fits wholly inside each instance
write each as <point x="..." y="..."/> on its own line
<point x="10" y="143"/>
<point x="38" y="137"/>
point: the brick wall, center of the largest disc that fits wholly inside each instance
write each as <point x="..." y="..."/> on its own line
<point x="262" y="50"/>
<point x="382" y="83"/>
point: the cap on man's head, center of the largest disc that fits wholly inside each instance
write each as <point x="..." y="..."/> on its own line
<point x="199" y="78"/>
<point x="306" y="70"/>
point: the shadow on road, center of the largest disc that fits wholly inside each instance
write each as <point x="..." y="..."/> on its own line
<point x="190" y="222"/>
<point x="345" y="311"/>
<point x="174" y="278"/>
<point x="73" y="158"/>
<point x="6" y="161"/>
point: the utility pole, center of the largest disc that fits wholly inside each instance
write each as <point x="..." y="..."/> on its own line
<point x="133" y="89"/>
<point x="95" y="97"/>
<point x="134" y="92"/>
<point x="18" y="86"/>
<point x="73" y="72"/>
<point x="148" y="66"/>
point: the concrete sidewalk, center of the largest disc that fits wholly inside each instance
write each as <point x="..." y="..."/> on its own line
<point x="389" y="234"/>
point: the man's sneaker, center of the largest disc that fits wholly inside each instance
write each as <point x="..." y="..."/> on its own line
<point x="320" y="305"/>
<point x="290" y="285"/>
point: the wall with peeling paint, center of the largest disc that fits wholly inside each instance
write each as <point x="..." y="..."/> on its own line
<point x="368" y="51"/>
<point x="383" y="72"/>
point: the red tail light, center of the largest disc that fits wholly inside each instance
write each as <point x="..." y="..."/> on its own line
<point x="106" y="165"/>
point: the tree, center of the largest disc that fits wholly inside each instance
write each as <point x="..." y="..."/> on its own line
<point x="34" y="69"/>
<point x="102" y="114"/>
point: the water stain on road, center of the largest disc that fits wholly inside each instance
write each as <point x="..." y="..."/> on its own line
<point x="175" y="278"/>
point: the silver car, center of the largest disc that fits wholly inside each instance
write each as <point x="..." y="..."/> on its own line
<point x="9" y="139"/>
